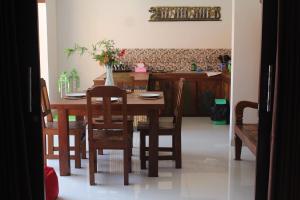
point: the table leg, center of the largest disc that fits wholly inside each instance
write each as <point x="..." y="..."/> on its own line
<point x="153" y="144"/>
<point x="64" y="151"/>
<point x="83" y="146"/>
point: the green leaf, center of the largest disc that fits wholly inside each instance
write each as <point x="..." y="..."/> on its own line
<point x="69" y="51"/>
<point x="82" y="50"/>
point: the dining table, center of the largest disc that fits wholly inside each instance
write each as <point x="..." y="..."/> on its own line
<point x="136" y="105"/>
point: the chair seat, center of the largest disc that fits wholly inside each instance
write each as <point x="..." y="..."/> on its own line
<point x="110" y="139"/>
<point x="114" y="118"/>
<point x="163" y="126"/>
<point x="248" y="134"/>
<point x="77" y="125"/>
<point x="111" y="135"/>
<point x="249" y="131"/>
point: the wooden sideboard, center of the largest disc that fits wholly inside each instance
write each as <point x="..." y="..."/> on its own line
<point x="199" y="90"/>
<point x="140" y="79"/>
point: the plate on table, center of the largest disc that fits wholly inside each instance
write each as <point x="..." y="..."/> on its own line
<point x="112" y="99"/>
<point x="76" y="94"/>
<point x="150" y="95"/>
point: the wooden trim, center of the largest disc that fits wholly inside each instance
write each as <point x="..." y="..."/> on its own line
<point x="41" y="1"/>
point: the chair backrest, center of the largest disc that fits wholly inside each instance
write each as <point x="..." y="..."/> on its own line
<point x="124" y="81"/>
<point x="151" y="83"/>
<point x="178" y="109"/>
<point x="157" y="83"/>
<point x="105" y="93"/>
<point x="45" y="103"/>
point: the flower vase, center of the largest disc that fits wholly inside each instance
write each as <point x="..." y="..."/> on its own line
<point x="109" y="80"/>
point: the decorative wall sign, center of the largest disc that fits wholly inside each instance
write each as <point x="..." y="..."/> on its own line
<point x="185" y="14"/>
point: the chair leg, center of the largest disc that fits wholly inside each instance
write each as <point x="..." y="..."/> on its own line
<point x="44" y="149"/>
<point x="95" y="161"/>
<point x="126" y="153"/>
<point x="100" y="151"/>
<point x="77" y="151"/>
<point x="238" y="147"/>
<point x="142" y="149"/>
<point x="130" y="130"/>
<point x="50" y="145"/>
<point x="129" y="160"/>
<point x="83" y="149"/>
<point x="177" y="147"/>
<point x="92" y="165"/>
<point x="173" y="146"/>
<point x="131" y="137"/>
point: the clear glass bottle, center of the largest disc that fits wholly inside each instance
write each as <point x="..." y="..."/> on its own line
<point x="74" y="81"/>
<point x="63" y="84"/>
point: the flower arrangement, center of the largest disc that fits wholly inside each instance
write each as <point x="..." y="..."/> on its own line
<point x="103" y="51"/>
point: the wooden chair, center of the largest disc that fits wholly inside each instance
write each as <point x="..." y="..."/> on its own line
<point x="125" y="82"/>
<point x="166" y="128"/>
<point x="244" y="133"/>
<point x="107" y="133"/>
<point x="50" y="129"/>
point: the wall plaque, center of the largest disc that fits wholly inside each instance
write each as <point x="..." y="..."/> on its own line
<point x="185" y="14"/>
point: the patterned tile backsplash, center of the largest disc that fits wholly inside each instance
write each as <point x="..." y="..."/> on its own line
<point x="175" y="59"/>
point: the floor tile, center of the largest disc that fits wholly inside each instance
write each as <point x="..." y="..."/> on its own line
<point x="209" y="171"/>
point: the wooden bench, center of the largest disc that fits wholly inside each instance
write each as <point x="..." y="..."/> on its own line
<point x="244" y="133"/>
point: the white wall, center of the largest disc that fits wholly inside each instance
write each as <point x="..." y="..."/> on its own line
<point x="126" y="22"/>
<point x="246" y="48"/>
<point x="52" y="48"/>
<point x="43" y="41"/>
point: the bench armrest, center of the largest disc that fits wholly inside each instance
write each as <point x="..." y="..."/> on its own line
<point x="239" y="110"/>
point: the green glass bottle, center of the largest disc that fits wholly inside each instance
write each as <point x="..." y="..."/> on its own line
<point x="194" y="67"/>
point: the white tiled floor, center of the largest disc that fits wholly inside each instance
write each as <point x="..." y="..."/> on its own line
<point x="209" y="171"/>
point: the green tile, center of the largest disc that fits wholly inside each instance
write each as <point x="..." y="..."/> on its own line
<point x="220" y="101"/>
<point x="221" y="122"/>
<point x="72" y="118"/>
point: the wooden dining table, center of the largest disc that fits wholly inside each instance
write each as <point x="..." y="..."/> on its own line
<point x="135" y="106"/>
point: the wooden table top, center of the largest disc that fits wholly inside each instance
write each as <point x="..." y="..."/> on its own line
<point x="133" y="101"/>
<point x="140" y="78"/>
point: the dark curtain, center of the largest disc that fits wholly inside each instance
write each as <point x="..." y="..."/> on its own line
<point x="21" y="143"/>
<point x="285" y="177"/>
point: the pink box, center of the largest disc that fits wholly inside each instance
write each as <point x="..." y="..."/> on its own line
<point x="140" y="67"/>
